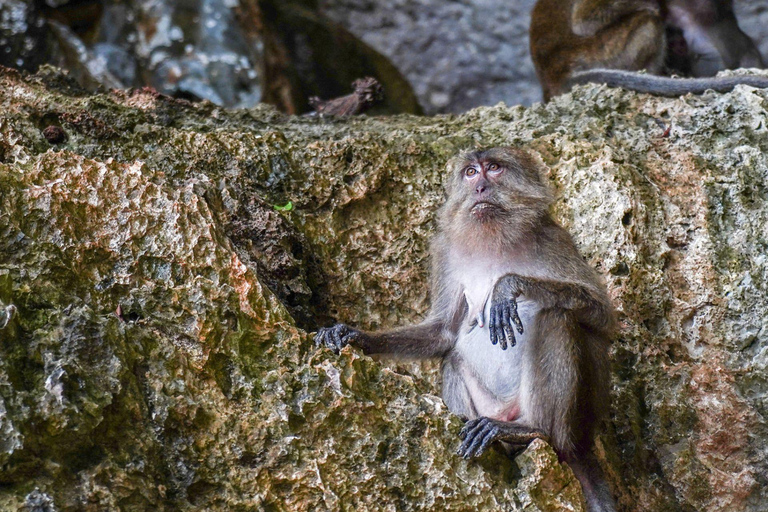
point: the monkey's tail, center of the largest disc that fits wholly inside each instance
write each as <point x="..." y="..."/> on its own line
<point x="664" y="85"/>
<point x="590" y="476"/>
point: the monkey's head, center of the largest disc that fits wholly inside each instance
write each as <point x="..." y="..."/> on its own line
<point x="495" y="194"/>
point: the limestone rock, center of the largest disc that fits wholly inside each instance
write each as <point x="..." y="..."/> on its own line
<point x="155" y="307"/>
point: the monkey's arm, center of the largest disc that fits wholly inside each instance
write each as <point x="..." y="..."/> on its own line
<point x="590" y="308"/>
<point x="588" y="17"/>
<point x="431" y="338"/>
<point x="736" y="48"/>
<point x="428" y="339"/>
<point x="713" y="36"/>
<point x="662" y="85"/>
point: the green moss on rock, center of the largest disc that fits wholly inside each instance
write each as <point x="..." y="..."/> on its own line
<point x="155" y="351"/>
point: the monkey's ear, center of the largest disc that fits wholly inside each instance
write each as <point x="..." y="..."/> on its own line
<point x="447" y="185"/>
<point x="451" y="170"/>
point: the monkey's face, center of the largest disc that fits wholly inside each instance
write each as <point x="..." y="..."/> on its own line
<point x="497" y="182"/>
<point x="495" y="189"/>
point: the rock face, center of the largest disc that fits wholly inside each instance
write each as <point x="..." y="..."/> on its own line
<point x="155" y="306"/>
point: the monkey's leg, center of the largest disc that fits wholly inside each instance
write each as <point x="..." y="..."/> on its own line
<point x="567" y="382"/>
<point x="455" y="393"/>
<point x="591" y="16"/>
<point x="480" y="433"/>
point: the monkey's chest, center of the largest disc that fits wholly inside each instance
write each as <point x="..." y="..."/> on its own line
<point x="492" y="375"/>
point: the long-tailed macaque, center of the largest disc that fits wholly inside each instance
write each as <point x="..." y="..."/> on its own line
<point x="712" y="37"/>
<point x="608" y="41"/>
<point x="521" y="322"/>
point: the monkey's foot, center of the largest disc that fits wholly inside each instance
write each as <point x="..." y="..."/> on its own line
<point x="336" y="337"/>
<point x="504" y="319"/>
<point x="478" y="434"/>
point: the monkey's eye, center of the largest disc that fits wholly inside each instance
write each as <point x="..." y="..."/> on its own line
<point x="493" y="167"/>
<point x="470" y="171"/>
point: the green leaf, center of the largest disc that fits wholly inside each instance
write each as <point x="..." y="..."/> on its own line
<point x="288" y="207"/>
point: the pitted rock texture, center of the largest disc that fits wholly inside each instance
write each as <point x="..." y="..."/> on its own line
<point x="155" y="350"/>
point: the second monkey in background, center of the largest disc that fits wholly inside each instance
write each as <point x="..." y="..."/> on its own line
<point x="608" y="41"/>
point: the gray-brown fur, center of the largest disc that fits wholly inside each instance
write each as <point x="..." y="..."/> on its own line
<point x="521" y="322"/>
<point x="609" y="41"/>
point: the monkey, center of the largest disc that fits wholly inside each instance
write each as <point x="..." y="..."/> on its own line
<point x="521" y="322"/>
<point x="712" y="36"/>
<point x="367" y="93"/>
<point x="608" y="41"/>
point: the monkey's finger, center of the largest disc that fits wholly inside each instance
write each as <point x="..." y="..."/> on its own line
<point x="502" y="334"/>
<point x="495" y="337"/>
<point x="466" y="447"/>
<point x="480" y="440"/>
<point x="492" y="328"/>
<point x="463" y="448"/>
<point x="517" y="322"/>
<point x="485" y="441"/>
<point x="333" y="341"/>
<point x="322" y="338"/>
<point x="469" y="425"/>
<point x="338" y="344"/>
<point x="515" y="317"/>
<point x="509" y="337"/>
<point x="475" y="427"/>
<point x="500" y="338"/>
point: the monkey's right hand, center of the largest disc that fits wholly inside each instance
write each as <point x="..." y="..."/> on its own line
<point x="337" y="337"/>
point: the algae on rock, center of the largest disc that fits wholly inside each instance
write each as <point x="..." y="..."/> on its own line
<point x="155" y="351"/>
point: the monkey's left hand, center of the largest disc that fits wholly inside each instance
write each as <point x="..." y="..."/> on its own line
<point x="337" y="337"/>
<point x="504" y="316"/>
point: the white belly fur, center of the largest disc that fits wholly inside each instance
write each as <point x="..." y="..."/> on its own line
<point x="494" y="376"/>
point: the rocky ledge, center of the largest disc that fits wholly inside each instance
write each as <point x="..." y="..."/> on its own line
<point x="163" y="263"/>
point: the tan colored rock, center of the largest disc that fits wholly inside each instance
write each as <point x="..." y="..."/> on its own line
<point x="145" y="363"/>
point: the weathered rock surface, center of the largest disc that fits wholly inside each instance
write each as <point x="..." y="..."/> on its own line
<point x="155" y="307"/>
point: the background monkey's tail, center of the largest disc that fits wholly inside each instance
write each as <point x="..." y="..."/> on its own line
<point x="596" y="490"/>
<point x="663" y="85"/>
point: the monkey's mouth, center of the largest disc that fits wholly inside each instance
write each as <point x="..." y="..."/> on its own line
<point x="481" y="208"/>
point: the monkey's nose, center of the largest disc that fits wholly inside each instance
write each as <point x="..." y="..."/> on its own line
<point x="480" y="189"/>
